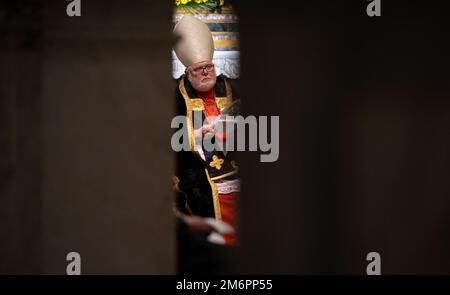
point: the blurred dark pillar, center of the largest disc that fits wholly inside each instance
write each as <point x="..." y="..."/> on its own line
<point x="85" y="162"/>
<point x="288" y="207"/>
<point x="395" y="141"/>
<point x="364" y="152"/>
<point x="108" y="164"/>
<point x="20" y="137"/>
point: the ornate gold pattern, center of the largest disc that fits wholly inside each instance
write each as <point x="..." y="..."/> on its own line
<point x="189" y="108"/>
<point x="224" y="175"/>
<point x="196" y="104"/>
<point x="228" y="90"/>
<point x="216" y="162"/>
<point x="223" y="102"/>
<point x="215" y="193"/>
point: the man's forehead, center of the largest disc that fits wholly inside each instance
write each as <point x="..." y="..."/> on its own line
<point x="200" y="64"/>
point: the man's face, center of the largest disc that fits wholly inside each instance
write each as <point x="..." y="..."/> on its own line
<point x="202" y="76"/>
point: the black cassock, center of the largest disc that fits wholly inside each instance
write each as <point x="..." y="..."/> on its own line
<point x="194" y="179"/>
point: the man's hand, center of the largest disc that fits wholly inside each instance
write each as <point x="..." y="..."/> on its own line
<point x="208" y="128"/>
<point x="199" y="133"/>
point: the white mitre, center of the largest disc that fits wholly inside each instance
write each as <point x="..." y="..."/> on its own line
<point x="195" y="42"/>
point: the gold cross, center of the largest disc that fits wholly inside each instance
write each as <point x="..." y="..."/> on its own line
<point x="216" y="162"/>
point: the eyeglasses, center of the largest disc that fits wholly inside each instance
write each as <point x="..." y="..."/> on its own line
<point x="208" y="68"/>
